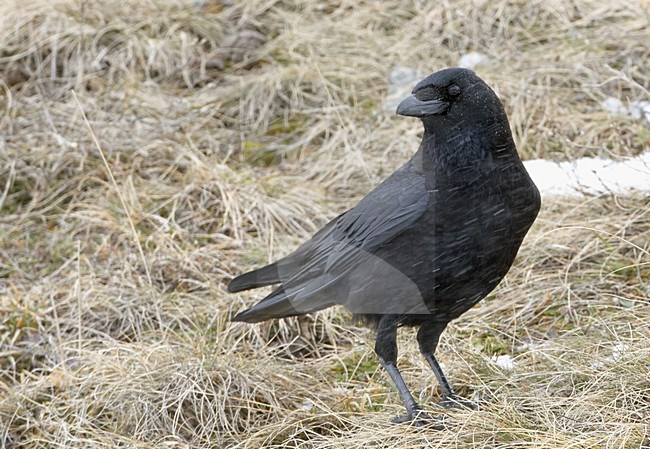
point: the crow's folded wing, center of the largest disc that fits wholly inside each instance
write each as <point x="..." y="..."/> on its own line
<point x="348" y="242"/>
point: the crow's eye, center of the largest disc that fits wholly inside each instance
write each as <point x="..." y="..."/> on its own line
<point x="453" y="90"/>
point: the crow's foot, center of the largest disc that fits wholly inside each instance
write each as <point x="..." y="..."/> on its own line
<point x="418" y="418"/>
<point x="454" y="401"/>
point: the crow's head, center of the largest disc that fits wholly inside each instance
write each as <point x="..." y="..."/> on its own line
<point x="449" y="92"/>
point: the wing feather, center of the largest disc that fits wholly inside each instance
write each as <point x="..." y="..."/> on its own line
<point x="309" y="273"/>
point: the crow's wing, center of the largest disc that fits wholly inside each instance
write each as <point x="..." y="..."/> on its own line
<point x="271" y="274"/>
<point x="309" y="274"/>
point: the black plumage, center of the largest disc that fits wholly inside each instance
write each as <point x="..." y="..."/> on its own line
<point x="426" y="244"/>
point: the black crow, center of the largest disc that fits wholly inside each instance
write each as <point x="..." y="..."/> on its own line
<point x="426" y="244"/>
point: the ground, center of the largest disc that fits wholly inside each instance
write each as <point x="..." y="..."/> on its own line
<point x="151" y="150"/>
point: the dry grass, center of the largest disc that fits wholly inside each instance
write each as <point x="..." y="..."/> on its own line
<point x="110" y="337"/>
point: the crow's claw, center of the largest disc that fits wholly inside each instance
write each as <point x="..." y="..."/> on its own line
<point x="454" y="401"/>
<point x="418" y="418"/>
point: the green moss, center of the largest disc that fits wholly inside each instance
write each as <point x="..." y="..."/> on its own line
<point x="258" y="154"/>
<point x="358" y="366"/>
<point x="285" y="126"/>
<point x="491" y="344"/>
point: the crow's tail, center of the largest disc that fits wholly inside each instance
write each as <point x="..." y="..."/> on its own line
<point x="276" y="305"/>
<point x="259" y="278"/>
<point x="280" y="304"/>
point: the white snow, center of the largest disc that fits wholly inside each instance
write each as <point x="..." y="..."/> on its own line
<point x="619" y="351"/>
<point x="590" y="175"/>
<point x="640" y="109"/>
<point x="402" y="80"/>
<point x="307" y="405"/>
<point x="505" y="362"/>
<point x="614" y="106"/>
<point x="636" y="109"/>
<point x="472" y="59"/>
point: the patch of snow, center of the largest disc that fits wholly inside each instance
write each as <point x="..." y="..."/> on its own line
<point x="400" y="75"/>
<point x="402" y="79"/>
<point x="505" y="362"/>
<point x="598" y="366"/>
<point x="472" y="59"/>
<point x="532" y="346"/>
<point x="640" y="109"/>
<point x="619" y="350"/>
<point x="614" y="106"/>
<point x="590" y="175"/>
<point x="636" y="109"/>
<point x="63" y="142"/>
<point x="307" y="405"/>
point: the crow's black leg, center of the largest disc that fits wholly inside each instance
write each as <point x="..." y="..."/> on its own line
<point x="386" y="349"/>
<point x="428" y="337"/>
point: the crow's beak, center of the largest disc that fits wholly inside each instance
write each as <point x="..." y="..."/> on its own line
<point x="412" y="107"/>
